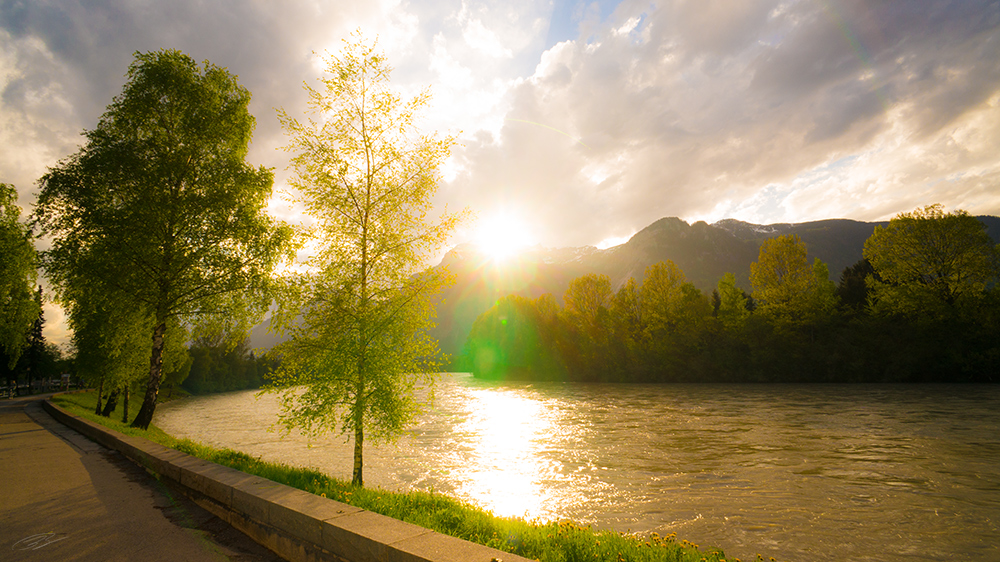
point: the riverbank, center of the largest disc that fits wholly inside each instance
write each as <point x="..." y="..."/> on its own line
<point x="548" y="541"/>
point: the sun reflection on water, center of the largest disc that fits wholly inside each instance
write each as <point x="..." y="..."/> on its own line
<point x="504" y="470"/>
<point x="791" y="470"/>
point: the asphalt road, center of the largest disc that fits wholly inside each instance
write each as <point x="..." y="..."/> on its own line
<point x="64" y="497"/>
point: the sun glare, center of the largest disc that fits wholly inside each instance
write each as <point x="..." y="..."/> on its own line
<point x="502" y="236"/>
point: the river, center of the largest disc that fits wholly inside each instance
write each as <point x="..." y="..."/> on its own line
<point x="800" y="473"/>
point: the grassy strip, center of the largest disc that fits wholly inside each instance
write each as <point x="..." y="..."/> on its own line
<point x="547" y="542"/>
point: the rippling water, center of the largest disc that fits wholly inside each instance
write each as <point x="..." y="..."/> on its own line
<point x="887" y="473"/>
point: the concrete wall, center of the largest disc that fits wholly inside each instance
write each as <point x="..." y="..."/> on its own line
<point x="294" y="524"/>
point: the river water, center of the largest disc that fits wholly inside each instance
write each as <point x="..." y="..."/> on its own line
<point x="800" y="473"/>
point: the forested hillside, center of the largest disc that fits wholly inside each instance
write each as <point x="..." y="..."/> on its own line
<point x="704" y="252"/>
<point x="922" y="305"/>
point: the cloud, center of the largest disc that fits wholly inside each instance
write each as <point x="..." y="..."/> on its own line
<point x="765" y="111"/>
<point x="590" y="119"/>
<point x="482" y="39"/>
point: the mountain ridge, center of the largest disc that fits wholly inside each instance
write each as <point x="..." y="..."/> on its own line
<point x="704" y="252"/>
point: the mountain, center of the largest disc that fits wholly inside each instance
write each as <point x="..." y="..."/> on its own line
<point x="704" y="252"/>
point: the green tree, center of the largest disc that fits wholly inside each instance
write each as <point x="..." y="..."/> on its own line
<point x="587" y="298"/>
<point x="35" y="350"/>
<point x="586" y="341"/>
<point x="358" y="319"/>
<point x="661" y="296"/>
<point x="928" y="261"/>
<point x="781" y="276"/>
<point x="626" y="310"/>
<point x="852" y="291"/>
<point x="112" y="342"/>
<point x="733" y="310"/>
<point x="18" y="307"/>
<point x="785" y="286"/>
<point x="674" y="312"/>
<point x="160" y="211"/>
<point x="219" y="365"/>
<point x="508" y="341"/>
<point x="823" y="297"/>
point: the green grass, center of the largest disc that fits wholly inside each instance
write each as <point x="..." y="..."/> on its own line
<point x="548" y="542"/>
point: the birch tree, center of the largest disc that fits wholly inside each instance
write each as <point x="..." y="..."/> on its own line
<point x="357" y="319"/>
<point x="160" y="211"/>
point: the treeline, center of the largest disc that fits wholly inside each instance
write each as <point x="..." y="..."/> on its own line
<point x="217" y="367"/>
<point x="923" y="305"/>
<point x="210" y="364"/>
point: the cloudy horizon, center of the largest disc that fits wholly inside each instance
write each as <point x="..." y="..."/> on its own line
<point x="585" y="121"/>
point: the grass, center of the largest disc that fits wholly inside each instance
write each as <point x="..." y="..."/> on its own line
<point x="547" y="542"/>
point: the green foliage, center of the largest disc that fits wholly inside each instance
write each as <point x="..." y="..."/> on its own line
<point x="666" y="331"/>
<point x="554" y="541"/>
<point x="587" y="300"/>
<point x="35" y="350"/>
<point x="661" y="296"/>
<point x="18" y="307"/>
<point x="733" y="310"/>
<point x="852" y="291"/>
<point x="358" y="318"/>
<point x="586" y="326"/>
<point x="510" y="341"/>
<point x="638" y="333"/>
<point x="112" y="343"/>
<point x="930" y="262"/>
<point x="785" y="286"/>
<point x="217" y="366"/>
<point x="159" y="213"/>
<point x="824" y="293"/>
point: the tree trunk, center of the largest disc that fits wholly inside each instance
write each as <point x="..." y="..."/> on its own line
<point x="125" y="405"/>
<point x="145" y="415"/>
<point x="100" y="389"/>
<point x="359" y="439"/>
<point x="111" y="404"/>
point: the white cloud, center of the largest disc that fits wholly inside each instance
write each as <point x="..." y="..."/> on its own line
<point x="614" y="241"/>
<point x="451" y="75"/>
<point x="484" y="40"/>
<point x="763" y="110"/>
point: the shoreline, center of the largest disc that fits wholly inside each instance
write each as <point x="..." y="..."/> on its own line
<point x="509" y="535"/>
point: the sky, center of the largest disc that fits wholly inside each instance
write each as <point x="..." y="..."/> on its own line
<point x="580" y="122"/>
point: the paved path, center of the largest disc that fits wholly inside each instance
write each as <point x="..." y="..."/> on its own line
<point x="64" y="497"/>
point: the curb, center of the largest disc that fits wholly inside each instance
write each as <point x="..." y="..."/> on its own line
<point x="296" y="525"/>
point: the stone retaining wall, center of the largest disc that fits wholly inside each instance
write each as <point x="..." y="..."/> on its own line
<point x="294" y="524"/>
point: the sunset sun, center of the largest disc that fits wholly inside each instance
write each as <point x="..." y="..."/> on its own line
<point x="502" y="236"/>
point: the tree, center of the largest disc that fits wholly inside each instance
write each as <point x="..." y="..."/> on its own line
<point x="626" y="309"/>
<point x="219" y="366"/>
<point x="660" y="296"/>
<point x="733" y="310"/>
<point x="508" y="341"/>
<point x="358" y="319"/>
<point x="823" y="297"/>
<point x="159" y="210"/>
<point x="853" y="288"/>
<point x="36" y="342"/>
<point x="18" y="307"/>
<point x="586" y="298"/>
<point x="928" y="261"/>
<point x="673" y="313"/>
<point x="586" y="343"/>
<point x="785" y="286"/>
<point x="112" y="343"/>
